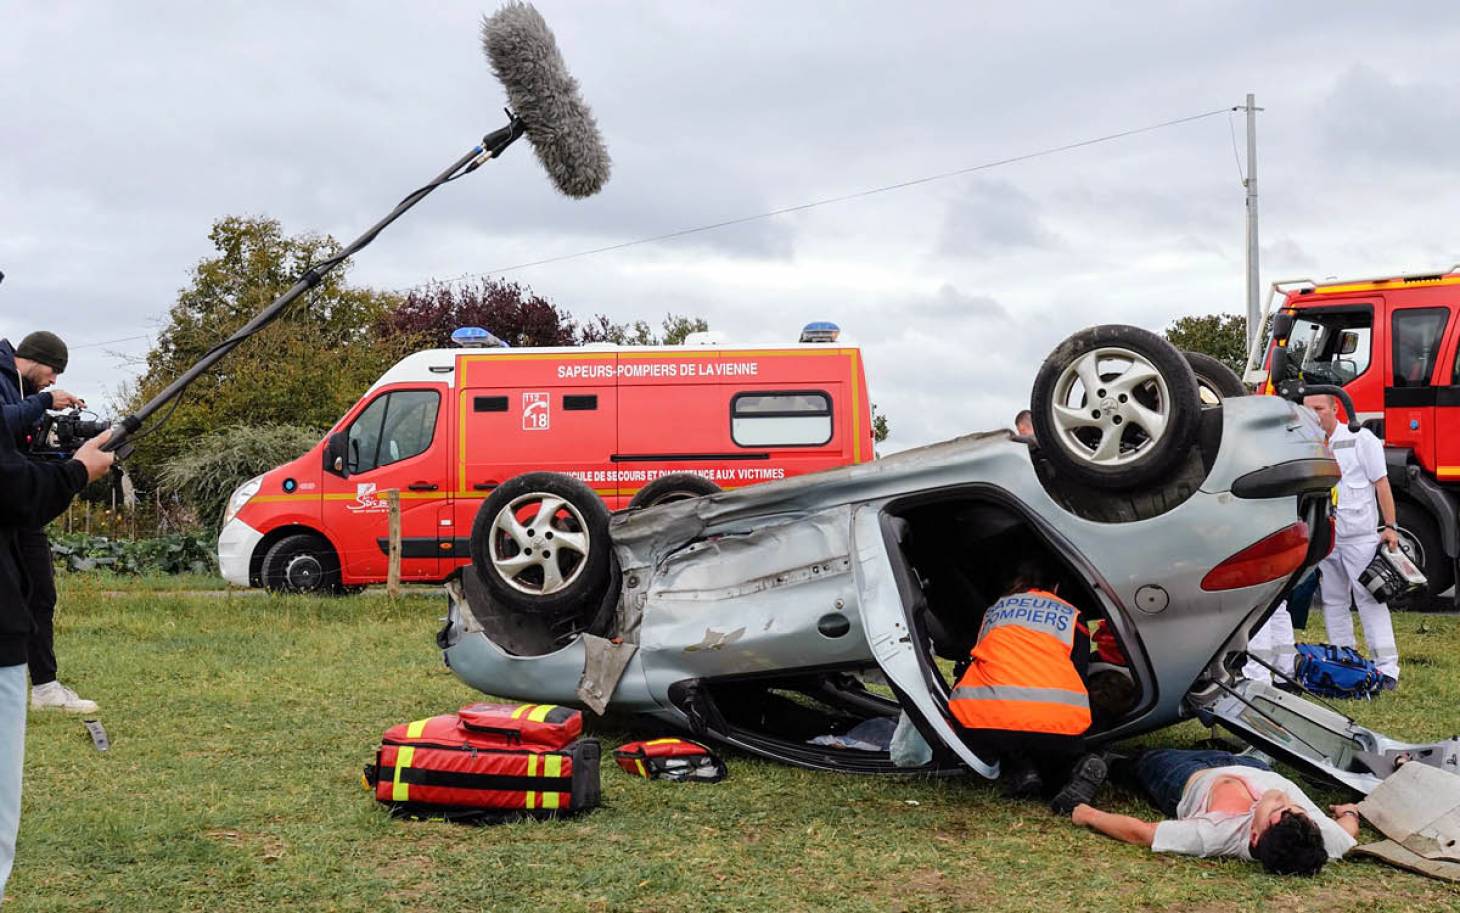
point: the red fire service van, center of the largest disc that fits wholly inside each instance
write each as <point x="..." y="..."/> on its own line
<point x="1394" y="345"/>
<point x="447" y="427"/>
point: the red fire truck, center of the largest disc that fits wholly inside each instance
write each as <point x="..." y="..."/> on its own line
<point x="1394" y="345"/>
<point x="447" y="427"/>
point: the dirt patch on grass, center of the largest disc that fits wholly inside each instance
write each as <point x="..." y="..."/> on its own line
<point x="268" y="847"/>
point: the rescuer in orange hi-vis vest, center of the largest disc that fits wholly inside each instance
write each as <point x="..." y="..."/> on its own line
<point x="1023" y="697"/>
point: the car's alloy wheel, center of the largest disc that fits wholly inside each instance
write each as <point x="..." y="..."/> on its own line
<point x="1116" y="407"/>
<point x="540" y="544"/>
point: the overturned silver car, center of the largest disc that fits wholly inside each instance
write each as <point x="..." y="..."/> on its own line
<point x="766" y="617"/>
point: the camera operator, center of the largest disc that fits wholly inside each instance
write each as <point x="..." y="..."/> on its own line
<point x="25" y="373"/>
<point x="32" y="494"/>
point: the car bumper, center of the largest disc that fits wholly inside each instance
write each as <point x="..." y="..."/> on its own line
<point x="235" y="551"/>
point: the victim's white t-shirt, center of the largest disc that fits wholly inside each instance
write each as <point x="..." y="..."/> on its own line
<point x="1197" y="831"/>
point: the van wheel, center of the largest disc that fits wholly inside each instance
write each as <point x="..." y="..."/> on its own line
<point x="540" y="543"/>
<point x="1115" y="407"/>
<point x="301" y="563"/>
<point x="677" y="486"/>
<point x="1214" y="380"/>
<point x="1419" y="539"/>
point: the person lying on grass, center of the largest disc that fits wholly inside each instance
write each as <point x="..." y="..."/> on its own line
<point x="1223" y="804"/>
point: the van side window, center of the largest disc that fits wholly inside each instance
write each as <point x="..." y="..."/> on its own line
<point x="790" y="419"/>
<point x="394" y="427"/>
<point x="1417" y="333"/>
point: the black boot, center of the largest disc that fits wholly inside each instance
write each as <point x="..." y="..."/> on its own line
<point x="1021" y="780"/>
<point x="1085" y="780"/>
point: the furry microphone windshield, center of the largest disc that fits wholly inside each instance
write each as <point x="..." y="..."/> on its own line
<point x="540" y="91"/>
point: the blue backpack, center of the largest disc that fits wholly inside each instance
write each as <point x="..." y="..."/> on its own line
<point x="1331" y="671"/>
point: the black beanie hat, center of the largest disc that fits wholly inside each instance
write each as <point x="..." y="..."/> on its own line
<point x="44" y="347"/>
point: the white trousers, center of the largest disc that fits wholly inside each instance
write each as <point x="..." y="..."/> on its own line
<point x="12" y="758"/>
<point x="1341" y="570"/>
<point x="1273" y="644"/>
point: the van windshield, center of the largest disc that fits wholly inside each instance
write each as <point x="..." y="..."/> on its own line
<point x="1330" y="348"/>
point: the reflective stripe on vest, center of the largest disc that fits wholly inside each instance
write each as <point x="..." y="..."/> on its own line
<point x="1015" y="693"/>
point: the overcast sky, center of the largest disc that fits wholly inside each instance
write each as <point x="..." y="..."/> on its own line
<point x="127" y="128"/>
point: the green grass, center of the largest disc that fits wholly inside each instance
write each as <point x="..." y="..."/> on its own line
<point x="239" y="727"/>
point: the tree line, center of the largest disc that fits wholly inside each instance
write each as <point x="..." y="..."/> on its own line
<point x="274" y="396"/>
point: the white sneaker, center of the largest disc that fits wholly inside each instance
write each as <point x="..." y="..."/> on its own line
<point x="56" y="696"/>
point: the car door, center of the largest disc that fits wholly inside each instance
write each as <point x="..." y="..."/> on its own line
<point x="883" y="587"/>
<point x="1316" y="739"/>
<point x="1410" y="392"/>
<point x="1447" y="409"/>
<point x="398" y="440"/>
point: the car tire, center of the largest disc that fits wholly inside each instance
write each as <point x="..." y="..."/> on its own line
<point x="1135" y="428"/>
<point x="1419" y="538"/>
<point x="301" y="563"/>
<point x="677" y="486"/>
<point x="540" y="544"/>
<point x="1214" y="380"/>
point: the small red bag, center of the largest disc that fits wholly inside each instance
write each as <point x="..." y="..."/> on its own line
<point x="671" y="759"/>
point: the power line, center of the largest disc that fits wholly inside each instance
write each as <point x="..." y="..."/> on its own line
<point x="107" y="342"/>
<point x="901" y="185"/>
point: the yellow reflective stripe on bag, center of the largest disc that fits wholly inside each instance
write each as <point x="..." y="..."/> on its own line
<point x="401" y="792"/>
<point x="414" y="729"/>
<point x="552" y="767"/>
<point x="540" y="712"/>
<point x="521" y="709"/>
<point x="531" y="772"/>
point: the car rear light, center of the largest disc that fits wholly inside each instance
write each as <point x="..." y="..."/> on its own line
<point x="1269" y="559"/>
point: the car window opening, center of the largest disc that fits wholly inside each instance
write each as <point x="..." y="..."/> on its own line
<point x="957" y="557"/>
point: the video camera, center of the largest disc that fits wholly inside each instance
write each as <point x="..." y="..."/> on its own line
<point x="60" y="433"/>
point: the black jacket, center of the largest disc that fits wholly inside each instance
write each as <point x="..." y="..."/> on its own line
<point x="19" y="412"/>
<point x="32" y="494"/>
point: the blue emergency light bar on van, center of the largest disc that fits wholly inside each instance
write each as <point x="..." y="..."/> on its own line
<point x="477" y="338"/>
<point x="820" y="331"/>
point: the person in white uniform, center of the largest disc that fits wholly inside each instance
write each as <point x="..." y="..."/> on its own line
<point x="1362" y="496"/>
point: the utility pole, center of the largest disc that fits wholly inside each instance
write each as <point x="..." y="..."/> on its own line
<point x="1254" y="308"/>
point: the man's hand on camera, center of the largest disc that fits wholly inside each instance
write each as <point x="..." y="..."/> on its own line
<point x="96" y="461"/>
<point x="60" y="399"/>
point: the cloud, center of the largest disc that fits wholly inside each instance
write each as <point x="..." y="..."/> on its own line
<point x="1370" y="118"/>
<point x="994" y="216"/>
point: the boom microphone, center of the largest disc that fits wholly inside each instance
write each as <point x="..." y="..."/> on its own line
<point x="524" y="56"/>
<point x="546" y="108"/>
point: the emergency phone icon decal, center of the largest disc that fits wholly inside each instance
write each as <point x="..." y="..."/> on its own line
<point x="536" y="411"/>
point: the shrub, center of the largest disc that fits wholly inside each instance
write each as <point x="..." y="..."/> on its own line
<point x="217" y="463"/>
<point x="183" y="553"/>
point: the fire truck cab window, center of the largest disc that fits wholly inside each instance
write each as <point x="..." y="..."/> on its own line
<point x="1417" y="333"/>
<point x="792" y="419"/>
<point x="394" y="427"/>
<point x="1331" y="347"/>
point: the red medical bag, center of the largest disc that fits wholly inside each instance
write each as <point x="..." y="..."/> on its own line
<point x="488" y="763"/>
<point x="670" y="759"/>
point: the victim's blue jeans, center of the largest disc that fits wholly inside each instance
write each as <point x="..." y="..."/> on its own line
<point x="12" y="759"/>
<point x="1163" y="772"/>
